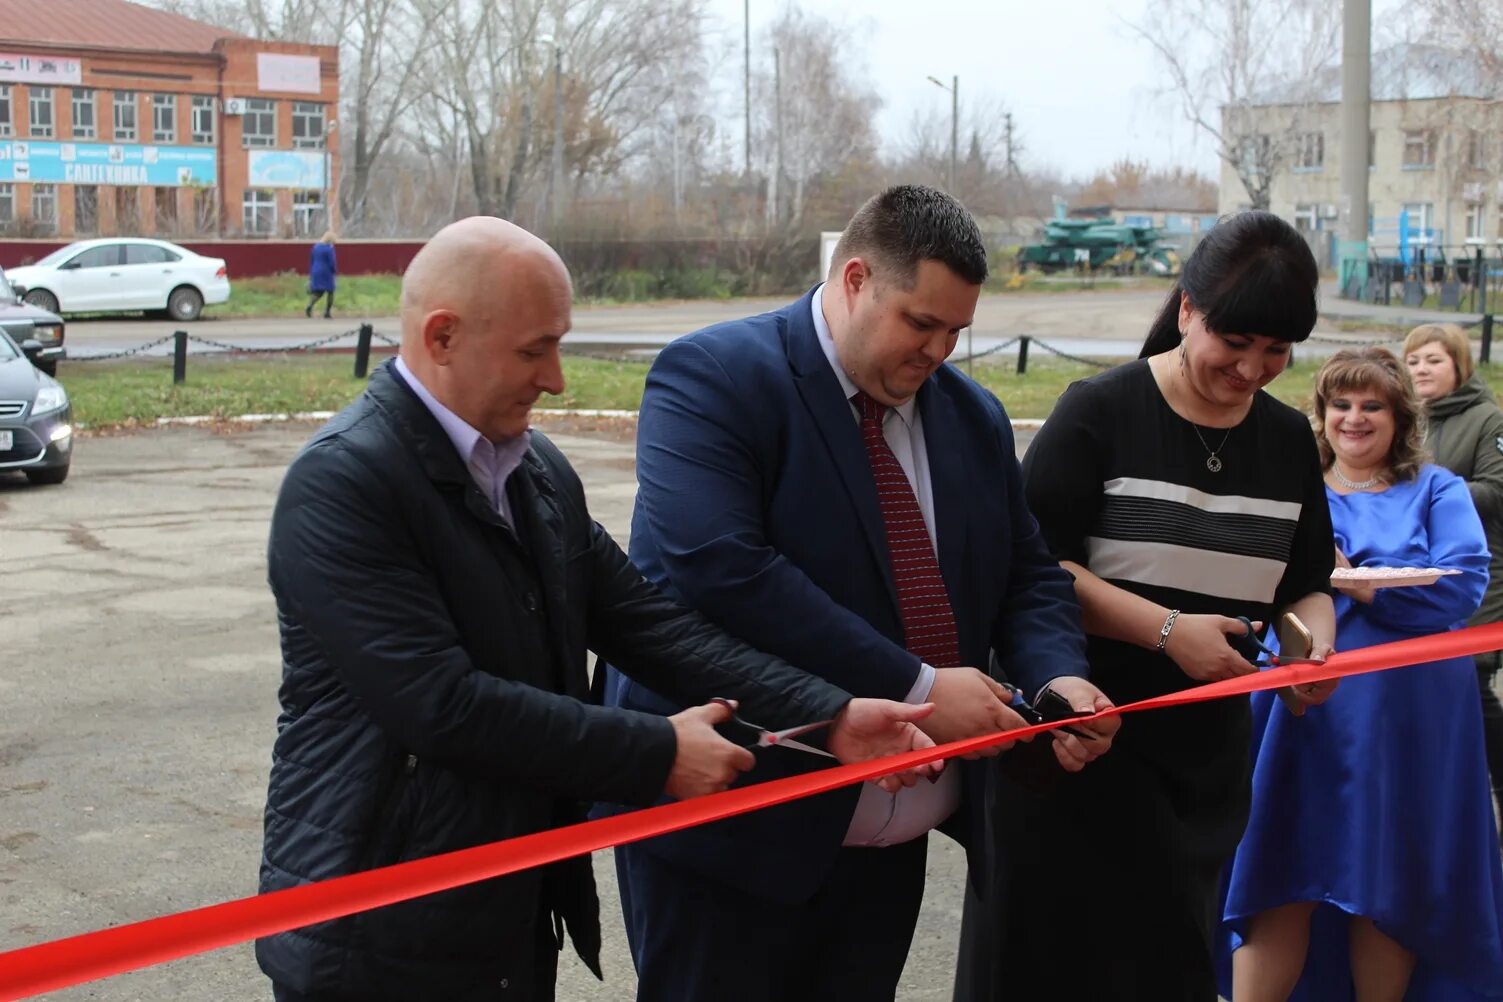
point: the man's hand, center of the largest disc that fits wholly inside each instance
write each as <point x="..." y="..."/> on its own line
<point x="1199" y="645"/>
<point x="706" y="762"/>
<point x="872" y="728"/>
<point x="967" y="704"/>
<point x="1071" y="751"/>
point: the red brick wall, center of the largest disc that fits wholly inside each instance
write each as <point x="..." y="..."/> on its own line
<point x="247" y="258"/>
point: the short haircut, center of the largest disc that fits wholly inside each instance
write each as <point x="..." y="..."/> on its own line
<point x="1378" y="370"/>
<point x="1450" y="337"/>
<point x="909" y="223"/>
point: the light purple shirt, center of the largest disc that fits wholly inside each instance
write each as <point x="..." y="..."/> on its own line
<point x="883" y="818"/>
<point x="491" y="464"/>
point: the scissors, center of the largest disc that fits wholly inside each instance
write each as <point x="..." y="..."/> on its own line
<point x="750" y="735"/>
<point x="1059" y="710"/>
<point x="1274" y="659"/>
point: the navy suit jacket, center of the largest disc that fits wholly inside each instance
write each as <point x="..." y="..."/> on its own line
<point x="756" y="505"/>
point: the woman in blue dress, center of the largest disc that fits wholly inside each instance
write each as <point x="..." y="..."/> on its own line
<point x="321" y="270"/>
<point x="1370" y="866"/>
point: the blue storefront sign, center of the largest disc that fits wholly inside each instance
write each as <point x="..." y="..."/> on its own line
<point x="101" y="163"/>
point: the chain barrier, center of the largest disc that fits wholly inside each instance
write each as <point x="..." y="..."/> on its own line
<point x="120" y="354"/>
<point x="1072" y="358"/>
<point x="222" y="347"/>
<point x="985" y="352"/>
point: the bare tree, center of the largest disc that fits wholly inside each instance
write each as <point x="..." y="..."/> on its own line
<point x="1227" y="59"/>
<point x="814" y="116"/>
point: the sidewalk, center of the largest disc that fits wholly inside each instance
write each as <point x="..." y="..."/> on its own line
<point x="1333" y="307"/>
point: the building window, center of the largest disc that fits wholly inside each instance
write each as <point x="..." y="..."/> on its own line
<point x="44" y="207"/>
<point x="307" y="125"/>
<point x="164" y="118"/>
<point x="308" y="213"/>
<point x="125" y="116"/>
<point x="165" y="200"/>
<point x="5" y="128"/>
<point x="1254" y="154"/>
<point x="1306" y="218"/>
<point x="258" y="125"/>
<point x="1420" y="214"/>
<point x="40" y="103"/>
<point x="84" y="125"/>
<point x="7" y="204"/>
<point x="1310" y="151"/>
<point x="260" y="215"/>
<point x="205" y="210"/>
<point x="127" y="212"/>
<point x="1474" y="221"/>
<point x="86" y="208"/>
<point x="1476" y="150"/>
<point x="203" y="120"/>
<point x="1419" y="149"/>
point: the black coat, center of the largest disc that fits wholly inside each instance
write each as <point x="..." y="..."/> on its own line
<point x="434" y="697"/>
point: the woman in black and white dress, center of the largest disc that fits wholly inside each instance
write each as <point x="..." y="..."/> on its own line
<point x="1180" y="496"/>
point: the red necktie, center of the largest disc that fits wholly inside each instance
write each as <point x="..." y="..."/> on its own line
<point x="923" y="603"/>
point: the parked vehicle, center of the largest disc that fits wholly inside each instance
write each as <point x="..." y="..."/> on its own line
<point x="114" y="275"/>
<point x="23" y="322"/>
<point x="36" y="420"/>
<point x="1100" y="244"/>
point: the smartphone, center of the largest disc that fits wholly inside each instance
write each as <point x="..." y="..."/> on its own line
<point x="1295" y="639"/>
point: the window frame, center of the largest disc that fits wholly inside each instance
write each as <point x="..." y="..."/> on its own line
<point x="38" y="190"/>
<point x="85" y="97"/>
<point x="125" y="101"/>
<point x="1424" y="141"/>
<point x="205" y="104"/>
<point x="41" y="97"/>
<point x="302" y="115"/>
<point x="265" y="199"/>
<point x="246" y="135"/>
<point x="1310" y="152"/>
<point x="169" y="135"/>
<point x="7" y="111"/>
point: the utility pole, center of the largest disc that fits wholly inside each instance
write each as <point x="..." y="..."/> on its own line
<point x="746" y="79"/>
<point x="1012" y="153"/>
<point x="1356" y="123"/>
<point x="774" y="183"/>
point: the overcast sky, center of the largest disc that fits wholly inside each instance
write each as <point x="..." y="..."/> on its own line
<point x="1083" y="91"/>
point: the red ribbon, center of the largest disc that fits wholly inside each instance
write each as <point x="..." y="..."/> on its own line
<point x="90" y="956"/>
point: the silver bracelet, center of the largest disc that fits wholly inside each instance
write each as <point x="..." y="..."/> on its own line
<point x="1168" y="625"/>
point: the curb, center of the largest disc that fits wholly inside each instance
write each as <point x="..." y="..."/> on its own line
<point x="1018" y="424"/>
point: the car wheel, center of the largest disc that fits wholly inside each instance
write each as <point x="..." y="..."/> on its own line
<point x="184" y="304"/>
<point x="41" y="299"/>
<point x="56" y="475"/>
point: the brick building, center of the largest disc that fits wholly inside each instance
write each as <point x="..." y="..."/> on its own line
<point x="119" y="119"/>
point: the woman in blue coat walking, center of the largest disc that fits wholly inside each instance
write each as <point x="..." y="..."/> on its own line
<point x="321" y="270"/>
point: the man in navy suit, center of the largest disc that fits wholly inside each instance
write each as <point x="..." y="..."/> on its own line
<point x="817" y="482"/>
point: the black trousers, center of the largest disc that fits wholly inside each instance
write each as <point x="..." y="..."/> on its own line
<point x="697" y="940"/>
<point x="314" y="297"/>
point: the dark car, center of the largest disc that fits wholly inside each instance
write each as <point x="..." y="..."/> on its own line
<point x="23" y="321"/>
<point x="36" y="420"/>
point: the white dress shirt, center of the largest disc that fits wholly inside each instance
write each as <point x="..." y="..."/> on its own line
<point x="884" y="818"/>
<point x="491" y="464"/>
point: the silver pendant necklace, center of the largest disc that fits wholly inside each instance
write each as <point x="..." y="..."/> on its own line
<point x="1213" y="461"/>
<point x="1354" y="485"/>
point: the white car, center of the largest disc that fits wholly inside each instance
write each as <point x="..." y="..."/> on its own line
<point x="125" y="273"/>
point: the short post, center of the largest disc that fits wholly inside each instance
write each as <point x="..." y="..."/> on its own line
<point x="179" y="356"/>
<point x="363" y="351"/>
<point x="1487" y="339"/>
<point x="1023" y="354"/>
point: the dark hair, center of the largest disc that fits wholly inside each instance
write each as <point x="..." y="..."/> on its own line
<point x="1252" y="274"/>
<point x="909" y="223"/>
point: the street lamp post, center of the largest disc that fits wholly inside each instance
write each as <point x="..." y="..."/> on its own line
<point x="954" y="89"/>
<point x="328" y="169"/>
<point x="556" y="168"/>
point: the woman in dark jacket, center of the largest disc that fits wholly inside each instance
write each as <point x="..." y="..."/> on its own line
<point x="321" y="271"/>
<point x="1466" y="437"/>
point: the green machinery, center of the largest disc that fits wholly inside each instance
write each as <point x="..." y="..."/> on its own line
<point x="1100" y="245"/>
